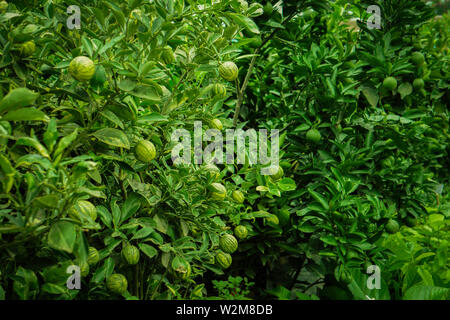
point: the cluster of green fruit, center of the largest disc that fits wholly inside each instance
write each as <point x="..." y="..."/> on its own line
<point x="418" y="59"/>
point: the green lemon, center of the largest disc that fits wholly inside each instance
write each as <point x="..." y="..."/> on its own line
<point x="418" y="84"/>
<point x="228" y="70"/>
<point x="411" y="221"/>
<point x="82" y="68"/>
<point x="390" y="83"/>
<point x="392" y="226"/>
<point x="313" y="135"/>
<point x="417" y="58"/>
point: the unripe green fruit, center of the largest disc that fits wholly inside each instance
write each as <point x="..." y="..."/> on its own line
<point x="181" y="267"/>
<point x="145" y="151"/>
<point x="219" y="90"/>
<point x="313" y="135"/>
<point x="392" y="226"/>
<point x="117" y="283"/>
<point x="238" y="196"/>
<point x="241" y="232"/>
<point x="131" y="254"/>
<point x="93" y="256"/>
<point x="27" y="48"/>
<point x="82" y="68"/>
<point x="228" y="243"/>
<point x="84" y="269"/>
<point x="417" y="58"/>
<point x="213" y="170"/>
<point x="277" y="173"/>
<point x="216" y="124"/>
<point x="218" y="191"/>
<point x="390" y="83"/>
<point x="228" y="70"/>
<point x="345" y="277"/>
<point x="418" y="84"/>
<point x="223" y="259"/>
<point x="82" y="209"/>
<point x="3" y="6"/>
<point x="411" y="221"/>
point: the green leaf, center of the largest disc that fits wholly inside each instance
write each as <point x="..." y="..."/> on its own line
<point x="143" y="233"/>
<point x="286" y="184"/>
<point x="405" y="89"/>
<point x="244" y="22"/>
<point x="421" y="292"/>
<point x="62" y="236"/>
<point x="104" y="271"/>
<point x="16" y="99"/>
<point x="130" y="207"/>
<point x="371" y="95"/>
<point x="65" y="142"/>
<point x="147" y="93"/>
<point x="28" y="114"/>
<point x="113" y="137"/>
<point x="148" y="250"/>
<point x="47" y="201"/>
<point x="127" y="85"/>
<point x="25" y="284"/>
<point x="329" y="240"/>
<point x="152" y="117"/>
<point x="30" y="142"/>
<point x="319" y="198"/>
<point x="51" y="134"/>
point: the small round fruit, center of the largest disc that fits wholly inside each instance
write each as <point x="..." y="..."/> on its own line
<point x="241" y="232"/>
<point x="181" y="267"/>
<point x="167" y="55"/>
<point x="27" y="48"/>
<point x="418" y="84"/>
<point x="390" y="83"/>
<point x="145" y="151"/>
<point x="83" y="208"/>
<point x="93" y="256"/>
<point x="223" y="259"/>
<point x="216" y="124"/>
<point x="131" y="254"/>
<point x="213" y="170"/>
<point x="392" y="226"/>
<point x="117" y="283"/>
<point x="411" y="221"/>
<point x="277" y="173"/>
<point x="82" y="68"/>
<point x="218" y="191"/>
<point x="228" y="70"/>
<point x="345" y="277"/>
<point x="313" y="135"/>
<point x="238" y="196"/>
<point x="219" y="90"/>
<point x="228" y="243"/>
<point x="84" y="269"/>
<point x="3" y="6"/>
<point x="417" y="58"/>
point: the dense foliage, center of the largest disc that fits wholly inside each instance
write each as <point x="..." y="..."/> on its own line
<point x="87" y="179"/>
